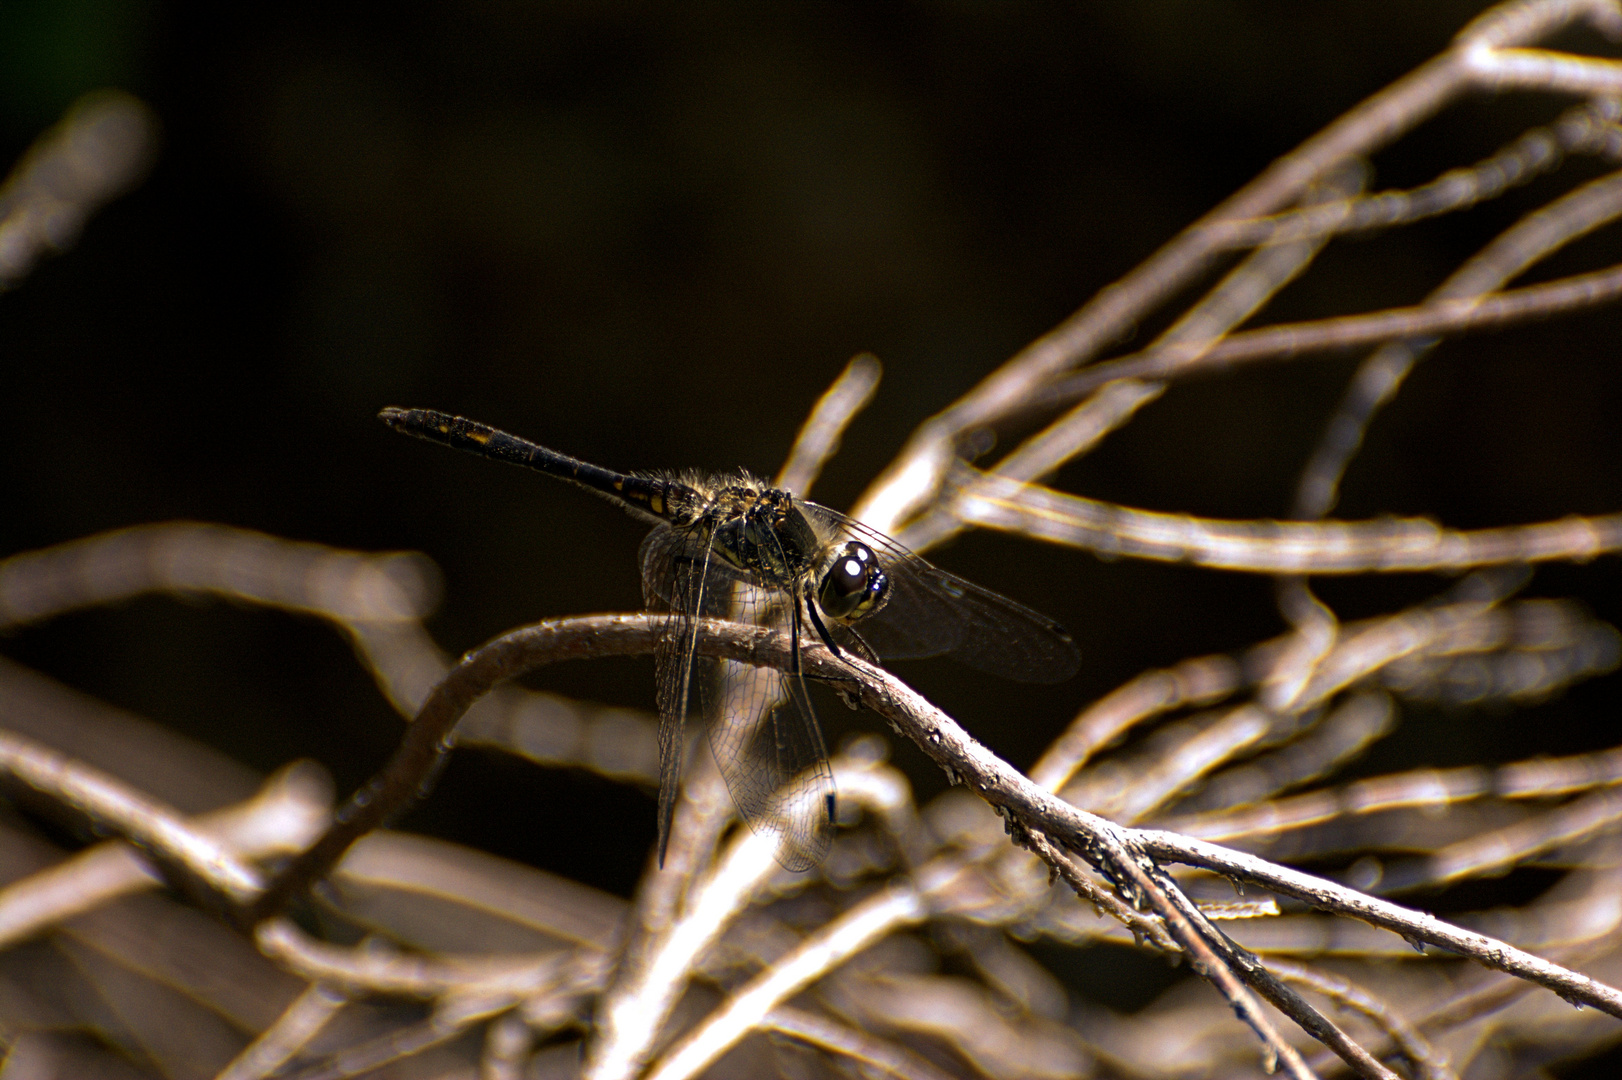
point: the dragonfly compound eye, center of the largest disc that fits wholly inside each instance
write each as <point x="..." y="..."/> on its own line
<point x="853" y="585"/>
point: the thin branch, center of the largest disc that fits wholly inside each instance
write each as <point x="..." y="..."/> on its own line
<point x="1533" y="153"/>
<point x="431" y="735"/>
<point x="1281" y="997"/>
<point x="747" y="1008"/>
<point x="1285" y="341"/>
<point x="1143" y="927"/>
<point x="300" y="1022"/>
<point x="1419" y="789"/>
<point x="1531" y="239"/>
<point x="1240" y="294"/>
<point x="1235" y="732"/>
<point x="818" y="439"/>
<point x="1508" y="23"/>
<point x="1403" y="1035"/>
<point x="630" y="1019"/>
<point x="240" y="564"/>
<point x="996" y="782"/>
<point x="643" y="995"/>
<point x="1415" y="926"/>
<point x="377" y="600"/>
<point x="1192" y="683"/>
<point x="880" y="1055"/>
<point x="375" y="968"/>
<point x="1543" y="69"/>
<point x="1344" y="733"/>
<point x="101" y="149"/>
<point x="283" y="817"/>
<point x="197" y="863"/>
<point x="702" y="811"/>
<point x="1387" y="545"/>
<point x="913" y="479"/>
<point x="447" y="1023"/>
<point x="1185" y="924"/>
<point x="1498" y="850"/>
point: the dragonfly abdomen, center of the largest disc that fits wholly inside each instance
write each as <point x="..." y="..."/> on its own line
<point x="664" y="499"/>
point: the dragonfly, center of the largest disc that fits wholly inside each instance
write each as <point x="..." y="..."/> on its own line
<point x="726" y="545"/>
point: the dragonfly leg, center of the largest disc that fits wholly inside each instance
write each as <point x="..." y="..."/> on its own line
<point x="822" y="631"/>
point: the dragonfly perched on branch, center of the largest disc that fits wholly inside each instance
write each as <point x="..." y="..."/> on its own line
<point x="725" y="545"/>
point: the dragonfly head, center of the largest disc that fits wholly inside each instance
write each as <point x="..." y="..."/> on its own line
<point x="853" y="586"/>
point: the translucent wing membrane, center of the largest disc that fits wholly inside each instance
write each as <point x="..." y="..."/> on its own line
<point x="766" y="738"/>
<point x="760" y="722"/>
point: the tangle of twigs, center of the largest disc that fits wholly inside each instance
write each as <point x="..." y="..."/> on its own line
<point x="347" y="948"/>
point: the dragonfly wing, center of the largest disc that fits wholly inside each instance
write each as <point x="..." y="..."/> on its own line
<point x="764" y="733"/>
<point x="930" y="612"/>
<point x="670" y="586"/>
<point x="761" y="725"/>
<point x="682" y="581"/>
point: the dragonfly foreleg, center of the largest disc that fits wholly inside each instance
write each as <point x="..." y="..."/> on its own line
<point x="816" y="621"/>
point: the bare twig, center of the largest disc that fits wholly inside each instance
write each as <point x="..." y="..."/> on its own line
<point x="748" y="1007"/>
<point x="1416" y="926"/>
<point x="236" y="563"/>
<point x="818" y="439"/>
<point x="100" y="149"/>
<point x="292" y="1031"/>
<point x="377" y="969"/>
<point x="1234" y="299"/>
<point x="1392" y="545"/>
<point x="1200" y="681"/>
<point x="942" y="740"/>
<point x="447" y="1023"/>
<point x="1407" y="1039"/>
<point x="1530" y="240"/>
<point x="1151" y="929"/>
<point x="889" y="1058"/>
<point x="1185" y="924"/>
<point x="196" y="862"/>
<point x="1434" y="318"/>
<point x="284" y="817"/>
<point x="1582" y="129"/>
<point x="633" y="1015"/>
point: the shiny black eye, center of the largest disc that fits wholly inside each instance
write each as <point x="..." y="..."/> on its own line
<point x="853" y="586"/>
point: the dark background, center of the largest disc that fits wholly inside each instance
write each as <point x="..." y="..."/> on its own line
<point x="650" y="235"/>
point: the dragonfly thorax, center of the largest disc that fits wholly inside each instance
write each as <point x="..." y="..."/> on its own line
<point x="763" y="532"/>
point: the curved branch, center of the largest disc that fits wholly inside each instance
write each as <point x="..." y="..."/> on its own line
<point x="938" y="735"/>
